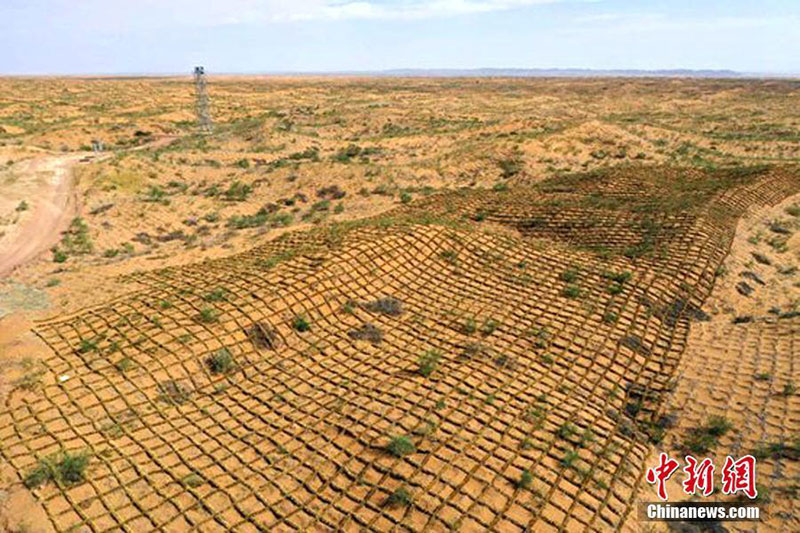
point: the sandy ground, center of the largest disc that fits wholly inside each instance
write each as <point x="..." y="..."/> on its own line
<point x="45" y="185"/>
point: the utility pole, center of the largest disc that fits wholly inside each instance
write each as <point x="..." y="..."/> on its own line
<point x="201" y="100"/>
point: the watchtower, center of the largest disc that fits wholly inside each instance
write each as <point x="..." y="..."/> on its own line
<point x="201" y="100"/>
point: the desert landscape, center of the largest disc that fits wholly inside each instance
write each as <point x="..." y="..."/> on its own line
<point x="393" y="304"/>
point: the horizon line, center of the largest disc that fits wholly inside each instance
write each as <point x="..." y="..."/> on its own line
<point x="500" y="72"/>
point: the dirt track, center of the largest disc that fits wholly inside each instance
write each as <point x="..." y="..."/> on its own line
<point x="54" y="205"/>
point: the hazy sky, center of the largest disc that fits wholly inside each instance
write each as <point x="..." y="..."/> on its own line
<point x="165" y="36"/>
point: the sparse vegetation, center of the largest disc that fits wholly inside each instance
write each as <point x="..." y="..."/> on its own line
<point x="400" y="497"/>
<point x="400" y="446"/>
<point x="221" y="362"/>
<point x="63" y="468"/>
<point x="428" y="362"/>
<point x="704" y="438"/>
<point x="301" y="324"/>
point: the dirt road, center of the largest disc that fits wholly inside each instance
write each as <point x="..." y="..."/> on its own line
<point x="47" y="182"/>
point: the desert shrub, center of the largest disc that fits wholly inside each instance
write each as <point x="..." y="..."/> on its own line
<point x="155" y="194"/>
<point x="59" y="256"/>
<point x="243" y="163"/>
<point x="332" y="192"/>
<point x="367" y="332"/>
<point x="618" y="277"/>
<point x="451" y="256"/>
<point x="570" y="275"/>
<point x="470" y="326"/>
<point x="22" y="206"/>
<point x="87" y="346"/>
<point x="173" y="392"/>
<point x="567" y="430"/>
<point x="705" y="437"/>
<point x="76" y="240"/>
<point x="124" y="364"/>
<point x="610" y="317"/>
<point x="428" y="362"/>
<point x="62" y="468"/>
<point x="400" y="497"/>
<point x="387" y="306"/>
<point x="262" y="217"/>
<point x="405" y="197"/>
<point x="193" y="480"/>
<point x="779" y="450"/>
<point x="525" y="479"/>
<point x="614" y="288"/>
<point x="401" y="445"/>
<point x="207" y="315"/>
<point x="311" y="153"/>
<point x="346" y="154"/>
<point x="570" y="456"/>
<point x="262" y="336"/>
<point x="237" y="192"/>
<point x="572" y="291"/>
<point x="322" y="205"/>
<point x="216" y="295"/>
<point x="301" y="324"/>
<point x="489" y="326"/>
<point x="510" y="166"/>
<point x="221" y="362"/>
<point x="793" y="210"/>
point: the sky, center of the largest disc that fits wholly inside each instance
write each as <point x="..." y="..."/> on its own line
<point x="262" y="36"/>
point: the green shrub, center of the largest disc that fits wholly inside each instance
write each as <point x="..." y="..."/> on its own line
<point x="619" y="277"/>
<point x="570" y="456"/>
<point x="208" y="315"/>
<point x="470" y="326"/>
<point x="62" y="468"/>
<point x="428" y="362"/>
<point x="217" y="295"/>
<point x="59" y="256"/>
<point x="221" y="362"/>
<point x="301" y="324"/>
<point x="570" y="275"/>
<point x="525" y="479"/>
<point x="489" y="326"/>
<point x="572" y="291"/>
<point x="614" y="288"/>
<point x="345" y="154"/>
<point x="401" y="445"/>
<point x="705" y="437"/>
<point x="400" y="497"/>
<point x="124" y="364"/>
<point x="238" y="192"/>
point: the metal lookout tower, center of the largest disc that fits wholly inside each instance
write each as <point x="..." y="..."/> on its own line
<point x="201" y="100"/>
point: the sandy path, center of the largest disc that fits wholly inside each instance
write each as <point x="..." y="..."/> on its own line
<point x="54" y="203"/>
<point x="47" y="184"/>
